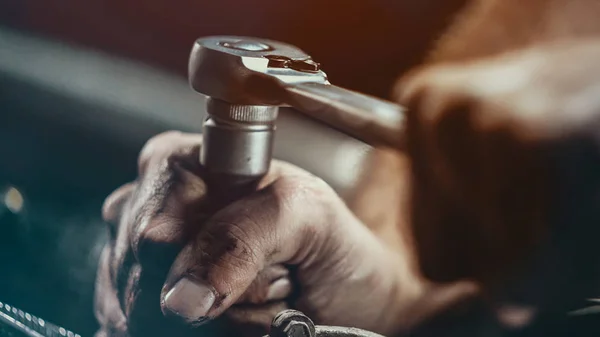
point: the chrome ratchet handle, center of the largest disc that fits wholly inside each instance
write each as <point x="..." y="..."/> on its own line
<point x="370" y="120"/>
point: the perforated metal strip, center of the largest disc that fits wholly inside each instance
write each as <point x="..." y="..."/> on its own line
<point x="31" y="325"/>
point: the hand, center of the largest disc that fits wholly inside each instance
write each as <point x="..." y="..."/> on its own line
<point x="501" y="149"/>
<point x="293" y="242"/>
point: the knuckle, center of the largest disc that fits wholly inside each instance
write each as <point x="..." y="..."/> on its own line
<point x="423" y="83"/>
<point x="113" y="204"/>
<point x="307" y="189"/>
<point x="155" y="146"/>
<point x="311" y="199"/>
<point x="233" y="242"/>
<point x="246" y="247"/>
<point x="411" y="92"/>
<point x="158" y="218"/>
<point x="156" y="245"/>
<point x="155" y="212"/>
<point x="169" y="148"/>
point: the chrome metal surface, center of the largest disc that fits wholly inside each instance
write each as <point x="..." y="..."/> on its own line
<point x="293" y="323"/>
<point x="244" y="76"/>
<point x="237" y="148"/>
<point x="370" y="120"/>
<point x="285" y="75"/>
<point x="251" y="114"/>
<point x="232" y="148"/>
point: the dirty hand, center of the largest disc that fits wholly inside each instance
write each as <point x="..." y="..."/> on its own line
<point x="292" y="243"/>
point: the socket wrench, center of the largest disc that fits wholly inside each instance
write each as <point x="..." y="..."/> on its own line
<point x="250" y="71"/>
<point x="246" y="79"/>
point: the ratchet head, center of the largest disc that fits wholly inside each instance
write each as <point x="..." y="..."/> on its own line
<point x="244" y="71"/>
<point x="249" y="71"/>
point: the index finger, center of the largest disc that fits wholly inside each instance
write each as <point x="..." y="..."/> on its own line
<point x="168" y="147"/>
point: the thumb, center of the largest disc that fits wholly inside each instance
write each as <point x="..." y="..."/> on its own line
<point x="282" y="223"/>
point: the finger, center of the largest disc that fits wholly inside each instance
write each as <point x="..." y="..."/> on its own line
<point x="444" y="149"/>
<point x="254" y="320"/>
<point x="142" y="307"/>
<point x="281" y="223"/>
<point x="149" y="223"/>
<point x="167" y="204"/>
<point x="170" y="146"/>
<point x="113" y="205"/>
<point x="113" y="208"/>
<point x="164" y="211"/>
<point x="271" y="284"/>
<point x="168" y="210"/>
<point x="432" y="218"/>
<point x="468" y="165"/>
<point x="155" y="239"/>
<point x="106" y="303"/>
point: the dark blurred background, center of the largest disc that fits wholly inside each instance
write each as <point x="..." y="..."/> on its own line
<point x="363" y="44"/>
<point x="83" y="84"/>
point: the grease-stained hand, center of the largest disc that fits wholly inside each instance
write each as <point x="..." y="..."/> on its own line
<point x="292" y="243"/>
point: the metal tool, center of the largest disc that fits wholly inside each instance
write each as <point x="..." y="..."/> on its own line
<point x="246" y="80"/>
<point x="258" y="72"/>
<point x="22" y="323"/>
<point x="292" y="323"/>
<point x="288" y="323"/>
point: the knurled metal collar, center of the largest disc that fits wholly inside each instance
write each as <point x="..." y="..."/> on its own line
<point x="241" y="113"/>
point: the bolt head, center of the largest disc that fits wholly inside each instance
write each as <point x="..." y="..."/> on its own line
<point x="292" y="323"/>
<point x="297" y="329"/>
